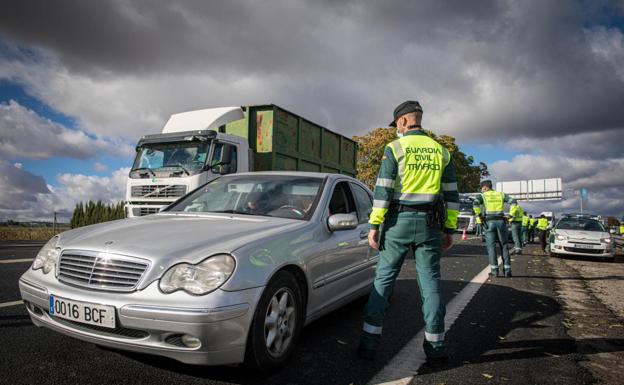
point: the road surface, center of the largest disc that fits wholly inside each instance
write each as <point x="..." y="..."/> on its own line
<point x="520" y="330"/>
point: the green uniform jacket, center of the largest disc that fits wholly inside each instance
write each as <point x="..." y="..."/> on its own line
<point x="414" y="171"/>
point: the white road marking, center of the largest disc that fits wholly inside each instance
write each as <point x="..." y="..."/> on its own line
<point x="405" y="364"/>
<point x="7" y="304"/>
<point x="20" y="260"/>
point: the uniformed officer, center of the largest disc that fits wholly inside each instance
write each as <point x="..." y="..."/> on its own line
<point x="542" y="231"/>
<point x="525" y="229"/>
<point x="516" y="214"/>
<point x="416" y="177"/>
<point x="532" y="224"/>
<point x="496" y="229"/>
<point x="479" y="229"/>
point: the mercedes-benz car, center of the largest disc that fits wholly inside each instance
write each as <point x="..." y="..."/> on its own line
<point x="583" y="236"/>
<point x="229" y="273"/>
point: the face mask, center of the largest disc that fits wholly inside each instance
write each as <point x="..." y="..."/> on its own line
<point x="399" y="133"/>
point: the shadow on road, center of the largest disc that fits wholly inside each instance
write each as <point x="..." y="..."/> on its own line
<point x="500" y="325"/>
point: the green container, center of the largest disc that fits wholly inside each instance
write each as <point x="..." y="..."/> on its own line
<point x="287" y="142"/>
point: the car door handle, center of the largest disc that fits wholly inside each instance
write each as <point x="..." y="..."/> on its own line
<point x="363" y="234"/>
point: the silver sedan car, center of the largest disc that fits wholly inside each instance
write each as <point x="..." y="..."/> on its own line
<point x="229" y="273"/>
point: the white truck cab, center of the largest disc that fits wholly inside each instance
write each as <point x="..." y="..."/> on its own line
<point x="188" y="153"/>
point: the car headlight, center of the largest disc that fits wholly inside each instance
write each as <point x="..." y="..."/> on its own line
<point x="561" y="237"/>
<point x="606" y="240"/>
<point x="198" y="279"/>
<point x="47" y="256"/>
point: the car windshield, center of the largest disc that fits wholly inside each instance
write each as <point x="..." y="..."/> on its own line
<point x="265" y="195"/>
<point x="172" y="159"/>
<point x="580" y="224"/>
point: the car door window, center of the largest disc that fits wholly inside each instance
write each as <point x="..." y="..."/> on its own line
<point x="342" y="201"/>
<point x="363" y="202"/>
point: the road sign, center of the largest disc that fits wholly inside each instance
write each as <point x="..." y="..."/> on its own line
<point x="533" y="189"/>
<point x="584" y="193"/>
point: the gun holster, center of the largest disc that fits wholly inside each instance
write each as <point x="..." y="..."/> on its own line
<point x="437" y="216"/>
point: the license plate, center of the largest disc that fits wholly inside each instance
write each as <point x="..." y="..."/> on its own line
<point x="582" y="246"/>
<point x="84" y="312"/>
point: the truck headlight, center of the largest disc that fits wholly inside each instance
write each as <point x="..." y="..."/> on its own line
<point x="198" y="279"/>
<point x="561" y="237"/>
<point x="47" y="256"/>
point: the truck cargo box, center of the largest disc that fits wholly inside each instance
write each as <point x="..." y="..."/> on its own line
<point x="285" y="141"/>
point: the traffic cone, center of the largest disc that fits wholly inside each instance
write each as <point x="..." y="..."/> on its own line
<point x="464" y="235"/>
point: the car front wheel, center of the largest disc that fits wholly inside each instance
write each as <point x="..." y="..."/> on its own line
<point x="277" y="323"/>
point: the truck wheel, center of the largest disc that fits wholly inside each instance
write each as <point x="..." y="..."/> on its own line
<point x="276" y="325"/>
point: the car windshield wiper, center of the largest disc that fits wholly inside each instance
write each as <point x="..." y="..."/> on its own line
<point x="143" y="169"/>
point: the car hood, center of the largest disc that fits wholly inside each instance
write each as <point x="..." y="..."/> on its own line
<point x="167" y="239"/>
<point x="583" y="235"/>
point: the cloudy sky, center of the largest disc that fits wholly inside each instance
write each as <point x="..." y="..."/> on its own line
<point x="533" y="88"/>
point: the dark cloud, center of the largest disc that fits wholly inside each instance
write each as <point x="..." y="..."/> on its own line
<point x="491" y="68"/>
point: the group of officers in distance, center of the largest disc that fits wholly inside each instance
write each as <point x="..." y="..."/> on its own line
<point x="523" y="226"/>
<point x="415" y="206"/>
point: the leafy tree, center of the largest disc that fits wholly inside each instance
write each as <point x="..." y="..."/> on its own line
<point x="371" y="148"/>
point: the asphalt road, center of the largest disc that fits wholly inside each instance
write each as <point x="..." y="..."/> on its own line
<point x="512" y="331"/>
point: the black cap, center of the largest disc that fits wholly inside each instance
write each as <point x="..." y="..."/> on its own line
<point x="405" y="108"/>
<point x="486" y="182"/>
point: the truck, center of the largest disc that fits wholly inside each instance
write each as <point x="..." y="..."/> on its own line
<point x="198" y="146"/>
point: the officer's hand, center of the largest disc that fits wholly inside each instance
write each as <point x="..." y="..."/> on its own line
<point x="373" y="239"/>
<point x="447" y="241"/>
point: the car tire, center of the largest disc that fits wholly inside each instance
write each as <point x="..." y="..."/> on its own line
<point x="277" y="324"/>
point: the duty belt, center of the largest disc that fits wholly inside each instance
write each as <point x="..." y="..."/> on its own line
<point x="494" y="217"/>
<point x="423" y="208"/>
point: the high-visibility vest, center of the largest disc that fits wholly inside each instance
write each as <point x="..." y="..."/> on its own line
<point x="532" y="222"/>
<point x="420" y="164"/>
<point x="478" y="220"/>
<point x="494" y="202"/>
<point x="525" y="221"/>
<point x="542" y="224"/>
<point x="621" y="229"/>
<point x="421" y="161"/>
<point x="517" y="213"/>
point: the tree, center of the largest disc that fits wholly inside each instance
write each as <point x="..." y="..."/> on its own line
<point x="371" y="148"/>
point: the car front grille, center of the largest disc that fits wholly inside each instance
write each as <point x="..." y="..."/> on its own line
<point x="101" y="271"/>
<point x="586" y="251"/>
<point x="158" y="191"/>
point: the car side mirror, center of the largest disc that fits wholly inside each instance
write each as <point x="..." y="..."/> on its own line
<point x="338" y="222"/>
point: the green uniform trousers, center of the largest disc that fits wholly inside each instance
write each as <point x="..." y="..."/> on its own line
<point x="516" y="233"/>
<point x="401" y="232"/>
<point x="525" y="235"/>
<point x="497" y="231"/>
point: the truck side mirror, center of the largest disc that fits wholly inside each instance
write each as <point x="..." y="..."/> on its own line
<point x="224" y="164"/>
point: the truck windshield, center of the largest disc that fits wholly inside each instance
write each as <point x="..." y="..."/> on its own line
<point x="265" y="195"/>
<point x="171" y="159"/>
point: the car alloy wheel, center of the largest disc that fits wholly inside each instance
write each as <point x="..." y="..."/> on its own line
<point x="280" y="322"/>
<point x="276" y="325"/>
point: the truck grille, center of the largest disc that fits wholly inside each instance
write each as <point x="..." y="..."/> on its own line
<point x="141" y="211"/>
<point x="96" y="271"/>
<point x="158" y="191"/>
